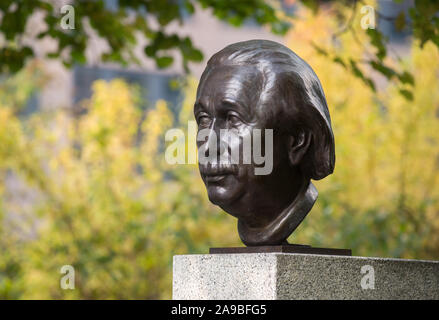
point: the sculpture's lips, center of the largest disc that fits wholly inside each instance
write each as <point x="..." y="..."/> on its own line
<point x="215" y="178"/>
<point x="217" y="172"/>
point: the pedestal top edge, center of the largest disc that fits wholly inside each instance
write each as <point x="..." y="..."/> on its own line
<point x="303" y="255"/>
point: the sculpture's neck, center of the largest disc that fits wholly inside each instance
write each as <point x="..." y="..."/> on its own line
<point x="277" y="231"/>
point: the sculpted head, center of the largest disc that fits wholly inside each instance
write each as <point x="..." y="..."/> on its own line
<point x="268" y="99"/>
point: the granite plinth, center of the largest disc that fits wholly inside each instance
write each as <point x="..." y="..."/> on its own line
<point x="302" y="276"/>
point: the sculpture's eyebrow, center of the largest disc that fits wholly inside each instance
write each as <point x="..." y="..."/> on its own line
<point x="198" y="107"/>
<point x="242" y="108"/>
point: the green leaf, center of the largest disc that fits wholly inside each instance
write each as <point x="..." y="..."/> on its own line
<point x="400" y="21"/>
<point x="407" y="78"/>
<point x="281" y="27"/>
<point x="189" y="7"/>
<point x="150" y="51"/>
<point x="408" y="95"/>
<point x="312" y="4"/>
<point x="339" y="61"/>
<point x="53" y="55"/>
<point x="319" y="49"/>
<point x="389" y="73"/>
<point x="164" y="62"/>
<point x="377" y="40"/>
<point x="359" y="74"/>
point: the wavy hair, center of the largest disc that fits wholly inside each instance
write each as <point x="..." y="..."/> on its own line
<point x="302" y="103"/>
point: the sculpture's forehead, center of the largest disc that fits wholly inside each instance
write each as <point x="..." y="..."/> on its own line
<point x="234" y="82"/>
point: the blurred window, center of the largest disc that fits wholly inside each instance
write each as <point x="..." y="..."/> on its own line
<point x="153" y="86"/>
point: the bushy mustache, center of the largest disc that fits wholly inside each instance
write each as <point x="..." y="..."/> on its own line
<point x="218" y="168"/>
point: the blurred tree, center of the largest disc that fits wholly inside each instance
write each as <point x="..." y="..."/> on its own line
<point x="106" y="202"/>
<point x="14" y="92"/>
<point x="119" y="25"/>
<point x="383" y="198"/>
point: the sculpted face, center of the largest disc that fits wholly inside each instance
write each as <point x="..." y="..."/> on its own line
<point x="263" y="132"/>
<point x="229" y="98"/>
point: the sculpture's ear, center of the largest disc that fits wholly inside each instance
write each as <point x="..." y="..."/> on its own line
<point x="297" y="146"/>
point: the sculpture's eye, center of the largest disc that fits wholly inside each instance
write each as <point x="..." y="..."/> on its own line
<point x="204" y="120"/>
<point x="233" y="118"/>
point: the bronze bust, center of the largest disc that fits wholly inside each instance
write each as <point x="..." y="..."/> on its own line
<point x="252" y="86"/>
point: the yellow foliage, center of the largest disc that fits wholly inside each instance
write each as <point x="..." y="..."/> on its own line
<point x="107" y="202"/>
<point x="99" y="195"/>
<point x="383" y="196"/>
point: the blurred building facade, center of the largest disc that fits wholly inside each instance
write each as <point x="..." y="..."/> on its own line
<point x="67" y="87"/>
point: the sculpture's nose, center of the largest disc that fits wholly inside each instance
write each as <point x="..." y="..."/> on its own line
<point x="214" y="140"/>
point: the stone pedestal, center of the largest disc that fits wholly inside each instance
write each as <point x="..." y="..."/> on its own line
<point x="302" y="276"/>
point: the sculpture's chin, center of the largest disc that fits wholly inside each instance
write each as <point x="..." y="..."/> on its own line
<point x="224" y="192"/>
<point x="220" y="196"/>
